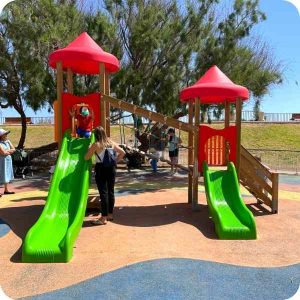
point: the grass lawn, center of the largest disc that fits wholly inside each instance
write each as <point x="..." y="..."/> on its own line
<point x="254" y="136"/>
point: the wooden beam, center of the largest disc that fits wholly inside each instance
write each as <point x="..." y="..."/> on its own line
<point x="227" y="114"/>
<point x="256" y="176"/>
<point x="70" y="81"/>
<point x="275" y="182"/>
<point x="196" y="152"/>
<point x="238" y="134"/>
<point x="59" y="90"/>
<point x="107" y="104"/>
<point x="187" y="169"/>
<point x="191" y="152"/>
<point x="227" y="124"/>
<point x="102" y="91"/>
<point x="246" y="155"/>
<point x="139" y="111"/>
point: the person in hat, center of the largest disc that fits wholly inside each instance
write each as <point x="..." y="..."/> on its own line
<point x="6" y="167"/>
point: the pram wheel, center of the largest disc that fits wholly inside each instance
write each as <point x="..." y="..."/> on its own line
<point x="21" y="164"/>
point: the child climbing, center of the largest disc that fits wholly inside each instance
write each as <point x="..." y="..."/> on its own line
<point x="154" y="159"/>
<point x="85" y="121"/>
<point x="174" y="143"/>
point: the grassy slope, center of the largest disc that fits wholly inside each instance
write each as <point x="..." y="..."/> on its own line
<point x="254" y="136"/>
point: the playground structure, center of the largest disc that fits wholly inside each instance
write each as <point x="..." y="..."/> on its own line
<point x="52" y="238"/>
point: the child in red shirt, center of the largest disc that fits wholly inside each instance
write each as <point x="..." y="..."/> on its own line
<point x="84" y="122"/>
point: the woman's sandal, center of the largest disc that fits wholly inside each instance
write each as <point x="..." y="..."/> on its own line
<point x="99" y="222"/>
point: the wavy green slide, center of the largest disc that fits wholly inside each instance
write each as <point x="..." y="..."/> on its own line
<point x="233" y="220"/>
<point x="52" y="237"/>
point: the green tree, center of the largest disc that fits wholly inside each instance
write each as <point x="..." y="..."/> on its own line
<point x="246" y="59"/>
<point x="157" y="42"/>
<point x="166" y="49"/>
<point x="29" y="32"/>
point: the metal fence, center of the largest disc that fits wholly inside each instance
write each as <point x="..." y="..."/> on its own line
<point x="42" y="120"/>
<point x="34" y="121"/>
<point x="279" y="117"/>
<point x="279" y="160"/>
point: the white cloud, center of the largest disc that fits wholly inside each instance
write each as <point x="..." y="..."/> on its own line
<point x="3" y="3"/>
<point x="296" y="3"/>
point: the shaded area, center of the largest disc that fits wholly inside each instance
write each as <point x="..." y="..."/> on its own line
<point x="4" y="228"/>
<point x="38" y="181"/>
<point x="20" y="219"/>
<point x="158" y="215"/>
<point x="185" y="279"/>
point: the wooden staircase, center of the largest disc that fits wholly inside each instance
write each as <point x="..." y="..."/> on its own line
<point x="259" y="180"/>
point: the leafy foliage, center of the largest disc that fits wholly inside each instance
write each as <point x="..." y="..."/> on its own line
<point x="162" y="48"/>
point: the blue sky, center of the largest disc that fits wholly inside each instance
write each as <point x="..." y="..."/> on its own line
<point x="281" y="32"/>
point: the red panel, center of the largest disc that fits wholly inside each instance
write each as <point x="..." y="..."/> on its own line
<point x="212" y="145"/>
<point x="68" y="100"/>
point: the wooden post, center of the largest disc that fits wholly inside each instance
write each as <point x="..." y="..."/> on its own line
<point x="59" y="89"/>
<point x="196" y="151"/>
<point x="191" y="152"/>
<point x="70" y="81"/>
<point x="227" y="124"/>
<point x="107" y="104"/>
<point x="275" y="192"/>
<point x="227" y="114"/>
<point x="238" y="134"/>
<point x="102" y="91"/>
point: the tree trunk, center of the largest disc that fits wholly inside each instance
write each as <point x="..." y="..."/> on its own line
<point x="23" y="131"/>
<point x="36" y="152"/>
<point x="18" y="106"/>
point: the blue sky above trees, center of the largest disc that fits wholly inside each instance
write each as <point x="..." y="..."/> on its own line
<point x="281" y="32"/>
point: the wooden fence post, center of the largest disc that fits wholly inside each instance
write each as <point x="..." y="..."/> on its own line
<point x="275" y="181"/>
<point x="238" y="133"/>
<point x="191" y="153"/>
<point x="102" y="91"/>
<point x="196" y="151"/>
<point x="59" y="89"/>
<point x="107" y="104"/>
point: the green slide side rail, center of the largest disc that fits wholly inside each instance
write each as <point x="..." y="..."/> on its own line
<point x="233" y="220"/>
<point x="52" y="237"/>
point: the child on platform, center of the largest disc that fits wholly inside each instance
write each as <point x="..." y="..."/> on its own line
<point x="84" y="121"/>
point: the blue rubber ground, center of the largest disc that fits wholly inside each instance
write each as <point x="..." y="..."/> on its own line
<point x="185" y="279"/>
<point x="4" y="228"/>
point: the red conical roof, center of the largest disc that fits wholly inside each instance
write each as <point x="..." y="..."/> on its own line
<point x="214" y="87"/>
<point x="83" y="56"/>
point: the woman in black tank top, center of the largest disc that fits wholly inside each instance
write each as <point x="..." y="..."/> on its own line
<point x="105" y="172"/>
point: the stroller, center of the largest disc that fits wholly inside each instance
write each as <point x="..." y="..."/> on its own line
<point x="133" y="159"/>
<point x="21" y="164"/>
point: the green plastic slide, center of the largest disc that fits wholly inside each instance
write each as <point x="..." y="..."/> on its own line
<point x="52" y="237"/>
<point x="233" y="220"/>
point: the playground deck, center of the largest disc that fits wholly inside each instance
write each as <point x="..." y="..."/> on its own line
<point x="156" y="248"/>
